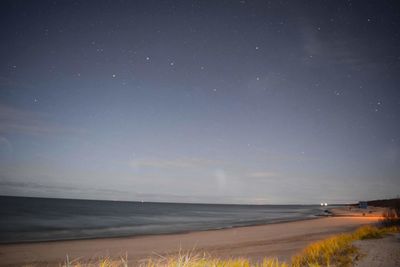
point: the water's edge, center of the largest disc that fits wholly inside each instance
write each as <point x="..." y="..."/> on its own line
<point x="31" y="220"/>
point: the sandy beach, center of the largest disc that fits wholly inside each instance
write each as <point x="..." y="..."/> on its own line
<point x="281" y="240"/>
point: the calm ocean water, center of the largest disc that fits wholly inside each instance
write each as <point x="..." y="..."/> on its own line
<point x="39" y="219"/>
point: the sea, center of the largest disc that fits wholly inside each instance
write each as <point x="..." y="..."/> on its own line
<point x="24" y="219"/>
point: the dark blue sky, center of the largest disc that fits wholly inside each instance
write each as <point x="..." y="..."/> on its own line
<point x="200" y="101"/>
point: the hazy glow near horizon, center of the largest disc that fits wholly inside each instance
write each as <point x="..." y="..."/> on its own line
<point x="200" y="101"/>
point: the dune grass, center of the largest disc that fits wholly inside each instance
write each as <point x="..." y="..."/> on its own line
<point x="337" y="250"/>
<point x="181" y="260"/>
<point x="199" y="261"/>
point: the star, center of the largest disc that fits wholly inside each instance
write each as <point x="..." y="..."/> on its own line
<point x="172" y="63"/>
<point x="147" y="58"/>
<point x="114" y="75"/>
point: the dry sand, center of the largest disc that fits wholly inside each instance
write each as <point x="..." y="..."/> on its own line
<point x="281" y="240"/>
<point x="383" y="252"/>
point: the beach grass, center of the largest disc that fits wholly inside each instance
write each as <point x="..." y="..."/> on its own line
<point x="337" y="250"/>
<point x="182" y="260"/>
<point x="196" y="261"/>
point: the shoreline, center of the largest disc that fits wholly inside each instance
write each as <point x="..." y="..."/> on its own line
<point x="281" y="240"/>
<point x="315" y="217"/>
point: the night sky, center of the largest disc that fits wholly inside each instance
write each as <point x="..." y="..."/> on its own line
<point x="200" y="101"/>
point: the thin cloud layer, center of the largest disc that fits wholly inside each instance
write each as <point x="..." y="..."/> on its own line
<point x="19" y="121"/>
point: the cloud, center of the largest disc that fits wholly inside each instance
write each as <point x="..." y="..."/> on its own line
<point x="178" y="163"/>
<point x="160" y="163"/>
<point x="14" y="120"/>
<point x="339" y="48"/>
<point x="33" y="185"/>
<point x="263" y="174"/>
<point x="202" y="198"/>
<point x="16" y="187"/>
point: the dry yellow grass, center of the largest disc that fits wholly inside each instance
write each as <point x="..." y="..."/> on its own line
<point x="338" y="250"/>
<point x="182" y="260"/>
<point x="211" y="262"/>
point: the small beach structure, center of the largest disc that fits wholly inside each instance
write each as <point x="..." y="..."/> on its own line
<point x="363" y="204"/>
